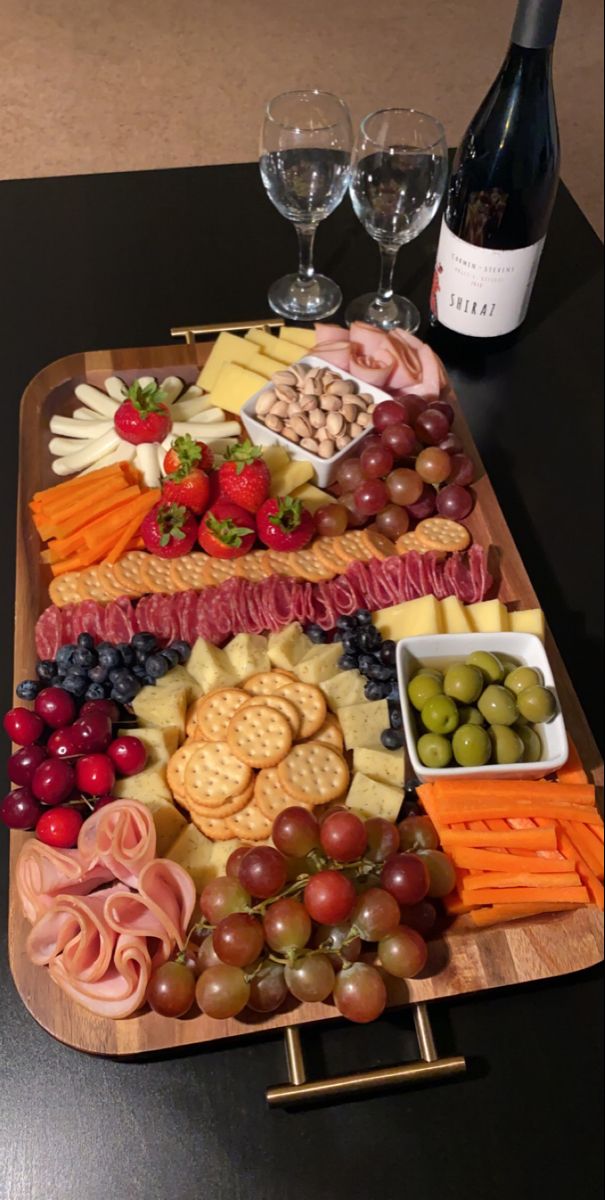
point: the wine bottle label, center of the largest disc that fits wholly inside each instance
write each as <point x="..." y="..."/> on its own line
<point x="479" y="292"/>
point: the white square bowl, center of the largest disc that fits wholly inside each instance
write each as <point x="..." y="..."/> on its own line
<point x="325" y="468"/>
<point x="444" y="648"/>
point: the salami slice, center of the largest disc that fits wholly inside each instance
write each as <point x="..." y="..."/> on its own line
<point x="482" y="580"/>
<point x="86" y="619"/>
<point x="67" y="623"/>
<point x="342" y="594"/>
<point x="118" y="626"/>
<point x="380" y="586"/>
<point x="186" y="608"/>
<point x="48" y="632"/>
<point x="393" y="575"/>
<point x="325" y="615"/>
<point x="358" y="577"/>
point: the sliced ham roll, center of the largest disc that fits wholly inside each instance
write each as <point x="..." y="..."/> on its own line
<point x="121" y="990"/>
<point x="337" y="354"/>
<point x="372" y="358"/>
<point x="43" y="872"/>
<point x="324" y="334"/>
<point x="161" y="909"/>
<point x="121" y="837"/>
<point x="75" y="929"/>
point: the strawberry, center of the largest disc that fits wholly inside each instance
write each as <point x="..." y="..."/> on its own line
<point x="142" y="415"/>
<point x="169" y="530"/>
<point x="185" y="454"/>
<point x="283" y="524"/>
<point x="226" y="530"/>
<point x="192" y="490"/>
<point x="244" y="476"/>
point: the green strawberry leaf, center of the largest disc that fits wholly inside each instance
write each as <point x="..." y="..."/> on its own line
<point x="288" y="515"/>
<point x="189" y="454"/>
<point x="170" y="519"/>
<point x="149" y="399"/>
<point x="243" y="454"/>
<point x="226" y="532"/>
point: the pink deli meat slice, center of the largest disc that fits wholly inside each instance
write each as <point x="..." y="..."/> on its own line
<point x="43" y="872"/>
<point x="75" y="927"/>
<point x="342" y="595"/>
<point x="161" y="909"/>
<point x="48" y="632"/>
<point x="121" y="991"/>
<point x="121" y="836"/>
<point x="119" y="624"/>
<point x="480" y="575"/>
<point x="187" y="613"/>
<point x="325" y="333"/>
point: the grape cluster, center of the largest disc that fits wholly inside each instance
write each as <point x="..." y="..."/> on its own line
<point x="296" y="918"/>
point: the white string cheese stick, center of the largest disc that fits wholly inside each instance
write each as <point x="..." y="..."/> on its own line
<point x="217" y="430"/>
<point x="62" y="446"/>
<point x="146" y="459"/>
<point x="184" y="409"/>
<point x="115" y="387"/>
<point x="171" y="388"/>
<point x="93" y="451"/>
<point x="68" y="427"/>
<point x="144" y="380"/>
<point x="84" y="414"/>
<point x="122" y="453"/>
<point x="209" y="417"/>
<point x="98" y="401"/>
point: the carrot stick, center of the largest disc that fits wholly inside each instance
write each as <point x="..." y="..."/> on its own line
<point x="527" y="895"/>
<point x="513" y="912"/>
<point x="454" y="906"/>
<point x="588" y="877"/>
<point x="468" y="810"/>
<point x="86" y="500"/>
<point x="519" y="879"/>
<point x="572" y="771"/>
<point x="73" y="485"/>
<point x="497" y="860"/>
<point x="599" y="831"/>
<point x="114" y="521"/>
<point x="88" y="514"/>
<point x="531" y="839"/>
<point x="482" y="790"/>
<point x="73" y="563"/>
<point x="119" y="547"/>
<point x="588" y="846"/>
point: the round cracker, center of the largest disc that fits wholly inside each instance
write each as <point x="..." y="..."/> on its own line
<point x="278" y="701"/>
<point x="330" y="734"/>
<point x="215" y="711"/>
<point x="408" y="541"/>
<point x="214" y="775"/>
<point x="175" y="771"/>
<point x="310" y="702"/>
<point x="440" y="533"/>
<point x="259" y="736"/>
<point x="91" y="586"/>
<point x="380" y="547"/>
<point x="127" y="573"/>
<point x="215" y="828"/>
<point x="189" y="572"/>
<point x="270" y="795"/>
<point x="313" y="773"/>
<point x="107" y="580"/>
<point x="155" y="574"/>
<point x="191" y="720"/>
<point x="251" y="825"/>
<point x="63" y="589"/>
<point x="231" y="806"/>
<point x="265" y="683"/>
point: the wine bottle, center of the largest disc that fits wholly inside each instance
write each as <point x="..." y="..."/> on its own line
<point x="502" y="188"/>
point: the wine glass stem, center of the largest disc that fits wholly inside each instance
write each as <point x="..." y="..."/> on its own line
<point x="306" y="239"/>
<point x="388" y="256"/>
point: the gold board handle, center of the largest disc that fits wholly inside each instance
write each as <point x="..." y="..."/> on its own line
<point x="190" y="332"/>
<point x="428" y="1068"/>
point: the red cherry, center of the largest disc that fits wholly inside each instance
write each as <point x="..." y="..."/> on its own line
<point x="92" y="732"/>
<point x="128" y="755"/>
<point x="20" y="809"/>
<point x="59" y="827"/>
<point x="22" y="764"/>
<point x="63" y="743"/>
<point x="53" y="781"/>
<point x="95" y="774"/>
<point x="56" y="706"/>
<point x="103" y="801"/>
<point x="108" y="707"/>
<point x="23" y="726"/>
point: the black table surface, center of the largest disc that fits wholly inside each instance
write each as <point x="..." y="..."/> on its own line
<point x="106" y="261"/>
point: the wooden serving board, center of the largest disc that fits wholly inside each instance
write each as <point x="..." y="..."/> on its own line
<point x="465" y="959"/>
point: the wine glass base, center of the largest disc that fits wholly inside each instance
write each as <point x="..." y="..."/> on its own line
<point x="395" y="313"/>
<point x="308" y="300"/>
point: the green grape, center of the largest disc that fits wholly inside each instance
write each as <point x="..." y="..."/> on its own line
<point x="222" y="991"/>
<point x="360" y="993"/>
<point x="403" y="952"/>
<point x="310" y="978"/>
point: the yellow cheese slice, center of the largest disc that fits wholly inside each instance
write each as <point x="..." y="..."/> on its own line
<point x="161" y="707"/>
<point x="276" y="457"/>
<point x="386" y="766"/>
<point x="168" y="821"/>
<point x="264" y="365"/>
<point x="372" y="799"/>
<point x="362" y="724"/>
<point x="312" y="497"/>
<point x="455" y="617"/>
<point x="247" y="655"/>
<point x="300" y="337"/>
<point x="529" y="620"/>
<point x="228" y="348"/>
<point x="180" y="677"/>
<point x="210" y="667"/>
<point x="413" y="618"/>
<point x="343" y="689"/>
<point x="234" y="386"/>
<point x="285" y="479"/>
<point x="488" y="616"/>
<point x="288" y="646"/>
<point x="320" y="662"/>
<point x="203" y="859"/>
<point x="278" y="348"/>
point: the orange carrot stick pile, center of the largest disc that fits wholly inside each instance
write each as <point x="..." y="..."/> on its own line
<point x="93" y="518"/>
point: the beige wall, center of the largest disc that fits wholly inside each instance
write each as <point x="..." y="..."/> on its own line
<point x="111" y="85"/>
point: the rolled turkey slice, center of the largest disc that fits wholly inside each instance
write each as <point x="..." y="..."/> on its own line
<point x="121" y="837"/>
<point x="43" y="872"/>
<point x="121" y="990"/>
<point x="75" y="928"/>
<point x="161" y="909"/>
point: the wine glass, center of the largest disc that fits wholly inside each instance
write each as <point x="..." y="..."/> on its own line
<point x="305" y="163"/>
<point x="397" y="182"/>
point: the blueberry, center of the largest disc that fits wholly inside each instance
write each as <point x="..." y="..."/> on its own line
<point x="316" y="634"/>
<point x="345" y="623"/>
<point x="45" y="669"/>
<point x="109" y="657"/>
<point x="64" y="654"/>
<point x="388" y="652"/>
<point x="363" y="616"/>
<point x="139" y="671"/>
<point x="347" y="662"/>
<point x="57" y="681"/>
<point x="126" y="653"/>
<point x="379" y="673"/>
<point x="116" y="675"/>
<point x="76" y="684"/>
<point x="392" y="739"/>
<point x="141" y="655"/>
<point x="395" y="717"/>
<point x="95" y="691"/>
<point x="374" y="690"/>
<point x="144" y="641"/>
<point x="86" y="641"/>
<point x="350" y="643"/>
<point x="28" y="689"/>
<point x="369" y="638"/>
<point x="84" y="657"/>
<point x="183" y="650"/>
<point x="156" y="666"/>
<point x="172" y="656"/>
<point x="98" y="674"/>
<point x="365" y="661"/>
<point x="148" y="681"/>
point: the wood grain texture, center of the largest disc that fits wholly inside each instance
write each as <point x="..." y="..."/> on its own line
<point x="465" y="959"/>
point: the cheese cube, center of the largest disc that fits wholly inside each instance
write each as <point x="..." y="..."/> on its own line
<point x="299" y="337"/>
<point x="386" y="766"/>
<point x="278" y="348"/>
<point x="162" y="707"/>
<point x="528" y="620"/>
<point x="288" y="646"/>
<point x="312" y="497"/>
<point x="455" y="617"/>
<point x="413" y="618"/>
<point x="372" y="799"/>
<point x="247" y="654"/>
<point x="319" y="663"/>
<point x="285" y="479"/>
<point x="160" y="744"/>
<point x="489" y="616"/>
<point x="228" y="348"/>
<point x="210" y="667"/>
<point x="264" y="365"/>
<point x="234" y="386"/>
<point x="343" y="689"/>
<point x="276" y="457"/>
<point x="168" y="821"/>
<point x="362" y="724"/>
<point x="202" y="858"/>
<point x="179" y="676"/>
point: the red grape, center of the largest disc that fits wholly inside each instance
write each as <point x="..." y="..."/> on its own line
<point x="418" y="833"/>
<point x="431" y="426"/>
<point x="206" y="955"/>
<point x="53" y="781"/>
<point x="287" y="925"/>
<point x="63" y="743"/>
<point x="455" y="502"/>
<point x="446" y="408"/>
<point x="222" y="991"/>
<point x="400" y="440"/>
<point x="310" y="978"/>
<point x="376" y="461"/>
<point x="128" y="755"/>
<point x="23" y="726"/>
<point x="331" y="520"/>
<point x="403" y="486"/>
<point x="360" y="993"/>
<point x="406" y="877"/>
<point x="59" y="827"/>
<point x="23" y="763"/>
<point x="442" y="876"/>
<point x="355" y="519"/>
<point x="451" y="443"/>
<point x="268" y="988"/>
<point x="425" y="505"/>
<point x="331" y="938"/>
<point x="375" y="913"/>
<point x="403" y="952"/>
<point x="349" y="474"/>
<point x="95" y="774"/>
<point x="262" y="871"/>
<point x="463" y="469"/>
<point x="234" y="861"/>
<point x="388" y="412"/>
<point x="393" y="520"/>
<point x="171" y="989"/>
<point x="222" y="896"/>
<point x="20" y="809"/>
<point x="92" y="733"/>
<point x="329" y="897"/>
<point x="433" y="465"/>
<point x="238" y="939"/>
<point x="296" y="831"/>
<point x="56" y="707"/>
<point x="343" y="836"/>
<point x="370" y="497"/>
<point x="410" y="406"/>
<point x="421" y="917"/>
<point x="383" y="839"/>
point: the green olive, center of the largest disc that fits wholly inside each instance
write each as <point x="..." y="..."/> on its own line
<point x="463" y="683"/>
<point x="507" y="746"/>
<point x="522" y="678"/>
<point x="532" y="743"/>
<point x="434" y="750"/>
<point x="537" y="704"/>
<point x="489" y="664"/>
<point x="497" y="705"/>
<point x="469" y="715"/>
<point x="508" y="665"/>
<point x="430" y="671"/>
<point x="422" y="688"/>
<point x="440" y="715"/>
<point x="471" y="746"/>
